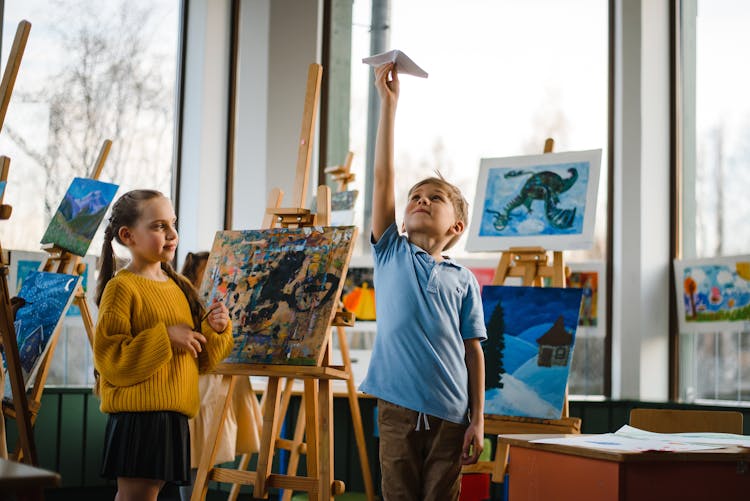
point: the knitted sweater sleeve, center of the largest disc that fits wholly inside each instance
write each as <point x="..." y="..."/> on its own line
<point x="218" y="346"/>
<point x="121" y="356"/>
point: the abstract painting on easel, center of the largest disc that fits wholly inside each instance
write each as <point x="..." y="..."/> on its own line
<point x="47" y="296"/>
<point x="281" y="287"/>
<point x="79" y="215"/>
<point x="713" y="294"/>
<point x="542" y="200"/>
<point x="529" y="348"/>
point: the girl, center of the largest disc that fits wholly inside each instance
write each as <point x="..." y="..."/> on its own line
<point x="152" y="338"/>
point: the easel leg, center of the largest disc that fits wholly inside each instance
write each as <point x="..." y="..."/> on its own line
<point x="311" y="427"/>
<point x="294" y="454"/>
<point x="359" y="433"/>
<point x="268" y="439"/>
<point x="207" y="461"/>
<point x="325" y="451"/>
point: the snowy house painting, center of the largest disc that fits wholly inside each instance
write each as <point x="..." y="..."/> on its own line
<point x="530" y="340"/>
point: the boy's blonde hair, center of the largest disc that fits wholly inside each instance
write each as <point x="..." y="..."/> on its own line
<point x="460" y="205"/>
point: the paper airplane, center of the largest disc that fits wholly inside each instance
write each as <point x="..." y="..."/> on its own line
<point x="403" y="63"/>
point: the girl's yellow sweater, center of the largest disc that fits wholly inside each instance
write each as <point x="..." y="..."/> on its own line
<point x="139" y="369"/>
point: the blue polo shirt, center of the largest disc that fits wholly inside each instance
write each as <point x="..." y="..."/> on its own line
<point x="425" y="310"/>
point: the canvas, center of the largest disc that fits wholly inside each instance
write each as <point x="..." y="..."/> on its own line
<point x="24" y="262"/>
<point x="47" y="296"/>
<point x="3" y="184"/>
<point x="542" y="200"/>
<point x="713" y="294"/>
<point x="281" y="287"/>
<point x="342" y="207"/>
<point x="529" y="347"/>
<point x="79" y="215"/>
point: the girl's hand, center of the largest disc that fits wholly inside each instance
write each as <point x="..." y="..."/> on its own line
<point x="183" y="338"/>
<point x="218" y="317"/>
<point x="387" y="89"/>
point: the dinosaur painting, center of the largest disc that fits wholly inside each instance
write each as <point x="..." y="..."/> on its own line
<point x="544" y="200"/>
<point x="545" y="186"/>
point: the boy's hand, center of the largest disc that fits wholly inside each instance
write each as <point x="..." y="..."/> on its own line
<point x="473" y="443"/>
<point x="184" y="338"/>
<point x="387" y="89"/>
<point x="218" y="317"/>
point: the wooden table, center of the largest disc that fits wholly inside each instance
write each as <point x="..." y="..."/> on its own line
<point x="26" y="482"/>
<point x="547" y="472"/>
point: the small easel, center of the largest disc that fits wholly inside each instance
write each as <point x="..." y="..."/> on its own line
<point x="20" y="406"/>
<point x="531" y="265"/>
<point x="342" y="173"/>
<point x="318" y="394"/>
<point x="62" y="261"/>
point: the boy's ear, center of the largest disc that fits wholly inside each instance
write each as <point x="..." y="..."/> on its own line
<point x="458" y="227"/>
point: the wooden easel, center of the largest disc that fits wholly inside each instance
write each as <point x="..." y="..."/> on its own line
<point x="297" y="446"/>
<point x="20" y="404"/>
<point x="531" y="265"/>
<point x="61" y="261"/>
<point x="318" y="395"/>
<point x="19" y="407"/>
<point x="342" y="173"/>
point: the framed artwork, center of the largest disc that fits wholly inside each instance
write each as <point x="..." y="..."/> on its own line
<point x="342" y="207"/>
<point x="47" y="296"/>
<point x="281" y="287"/>
<point x="544" y="200"/>
<point x="713" y="294"/>
<point x="531" y="333"/>
<point x="79" y="215"/>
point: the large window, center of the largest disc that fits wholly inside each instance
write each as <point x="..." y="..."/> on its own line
<point x="714" y="121"/>
<point x="91" y="71"/>
<point x="503" y="77"/>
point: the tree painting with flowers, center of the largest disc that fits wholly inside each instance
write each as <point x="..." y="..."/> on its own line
<point x="690" y="288"/>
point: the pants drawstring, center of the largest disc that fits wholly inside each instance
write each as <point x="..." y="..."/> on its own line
<point x="419" y="422"/>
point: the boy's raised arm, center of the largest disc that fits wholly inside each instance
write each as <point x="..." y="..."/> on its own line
<point x="383" y="198"/>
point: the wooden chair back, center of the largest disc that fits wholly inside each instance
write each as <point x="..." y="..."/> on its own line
<point x="686" y="421"/>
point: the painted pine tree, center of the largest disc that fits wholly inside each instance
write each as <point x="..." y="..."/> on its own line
<point x="493" y="349"/>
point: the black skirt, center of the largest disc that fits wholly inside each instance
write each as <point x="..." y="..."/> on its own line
<point x="147" y="445"/>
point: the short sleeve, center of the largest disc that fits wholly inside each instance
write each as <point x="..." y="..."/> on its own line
<point x="472" y="315"/>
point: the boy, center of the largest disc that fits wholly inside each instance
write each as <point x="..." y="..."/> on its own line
<point x="427" y="367"/>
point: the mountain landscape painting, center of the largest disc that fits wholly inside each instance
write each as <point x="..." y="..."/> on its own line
<point x="79" y="215"/>
<point x="529" y="348"/>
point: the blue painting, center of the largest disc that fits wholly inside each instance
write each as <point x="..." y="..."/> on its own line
<point x="3" y="184"/>
<point x="714" y="293"/>
<point x="529" y="348"/>
<point x="80" y="213"/>
<point x="26" y="266"/>
<point x="544" y="200"/>
<point x="46" y="296"/>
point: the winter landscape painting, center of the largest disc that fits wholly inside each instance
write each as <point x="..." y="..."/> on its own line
<point x="46" y="296"/>
<point x="281" y="287"/>
<point x="529" y="347"/>
<point x="713" y="294"/>
<point x="79" y="215"/>
<point x="542" y="200"/>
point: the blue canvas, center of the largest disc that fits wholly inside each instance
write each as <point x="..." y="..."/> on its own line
<point x="3" y="184"/>
<point x="47" y="296"/>
<point x="529" y="348"/>
<point x="80" y="213"/>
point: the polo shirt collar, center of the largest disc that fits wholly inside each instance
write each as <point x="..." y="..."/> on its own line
<point x="415" y="249"/>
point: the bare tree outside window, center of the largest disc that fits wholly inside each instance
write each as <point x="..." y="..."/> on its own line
<point x="112" y="76"/>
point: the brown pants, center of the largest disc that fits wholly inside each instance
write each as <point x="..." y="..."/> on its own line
<point x="417" y="463"/>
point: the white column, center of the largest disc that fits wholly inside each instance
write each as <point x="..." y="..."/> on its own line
<point x="204" y="132"/>
<point x="640" y="333"/>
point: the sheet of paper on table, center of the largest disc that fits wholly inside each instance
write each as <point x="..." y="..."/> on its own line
<point x="629" y="439"/>
<point x="404" y="64"/>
